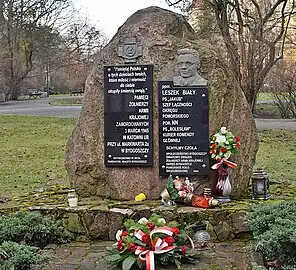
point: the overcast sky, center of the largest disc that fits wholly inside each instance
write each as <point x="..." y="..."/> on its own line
<point x="109" y="15"/>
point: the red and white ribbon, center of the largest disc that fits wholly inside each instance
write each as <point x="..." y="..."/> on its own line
<point x="139" y="234"/>
<point x="165" y="230"/>
<point x="160" y="246"/>
<point x="225" y="161"/>
<point x="191" y="242"/>
<point x="146" y="255"/>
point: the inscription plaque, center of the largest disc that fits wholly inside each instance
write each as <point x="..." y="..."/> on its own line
<point x="128" y="124"/>
<point x="183" y="129"/>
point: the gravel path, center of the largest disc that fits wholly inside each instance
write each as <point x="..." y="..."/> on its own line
<point x="41" y="107"/>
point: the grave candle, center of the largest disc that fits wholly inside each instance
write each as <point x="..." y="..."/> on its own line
<point x="72" y="198"/>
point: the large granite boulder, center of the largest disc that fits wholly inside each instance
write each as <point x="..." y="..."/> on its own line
<point x="162" y="33"/>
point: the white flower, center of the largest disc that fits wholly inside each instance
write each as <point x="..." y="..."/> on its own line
<point x="223" y="130"/>
<point x="220" y="138"/>
<point x="118" y="234"/>
<point x="161" y="221"/>
<point x="187" y="182"/>
<point x="143" y="220"/>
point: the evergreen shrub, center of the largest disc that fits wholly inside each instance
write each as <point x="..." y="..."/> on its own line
<point x="21" y="256"/>
<point x="32" y="228"/>
<point x="20" y="232"/>
<point x="273" y="227"/>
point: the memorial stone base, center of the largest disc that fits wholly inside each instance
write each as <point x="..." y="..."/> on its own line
<point x="94" y="219"/>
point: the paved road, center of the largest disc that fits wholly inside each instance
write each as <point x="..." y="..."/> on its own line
<point x="276" y="124"/>
<point x="41" y="107"/>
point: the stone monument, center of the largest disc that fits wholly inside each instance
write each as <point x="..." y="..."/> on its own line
<point x="154" y="36"/>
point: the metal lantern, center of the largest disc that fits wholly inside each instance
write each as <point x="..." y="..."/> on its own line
<point x="201" y="237"/>
<point x="260" y="185"/>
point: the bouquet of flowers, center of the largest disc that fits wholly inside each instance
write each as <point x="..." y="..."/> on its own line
<point x="181" y="190"/>
<point x="150" y="242"/>
<point x="222" y="145"/>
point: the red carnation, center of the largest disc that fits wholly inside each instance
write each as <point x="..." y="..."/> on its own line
<point x="169" y="240"/>
<point x="132" y="247"/>
<point x="119" y="245"/>
<point x="214" y="146"/>
<point x="146" y="238"/>
<point x="223" y="149"/>
<point x="237" y="139"/>
<point x="176" y="230"/>
<point x="183" y="249"/>
<point x="124" y="233"/>
<point x="151" y="226"/>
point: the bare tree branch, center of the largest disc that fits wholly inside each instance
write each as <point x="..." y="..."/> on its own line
<point x="254" y="34"/>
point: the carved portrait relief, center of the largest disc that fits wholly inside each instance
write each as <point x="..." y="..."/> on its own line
<point x="188" y="65"/>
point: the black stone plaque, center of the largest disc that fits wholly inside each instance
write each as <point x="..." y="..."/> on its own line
<point x="128" y="124"/>
<point x="183" y="130"/>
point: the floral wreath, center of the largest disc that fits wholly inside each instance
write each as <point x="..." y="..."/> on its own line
<point x="149" y="242"/>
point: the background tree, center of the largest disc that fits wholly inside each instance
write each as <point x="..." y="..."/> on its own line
<point x="254" y="35"/>
<point x="80" y="43"/>
<point x="40" y="40"/>
<point x="24" y="22"/>
<point x="281" y="83"/>
<point x="2" y="53"/>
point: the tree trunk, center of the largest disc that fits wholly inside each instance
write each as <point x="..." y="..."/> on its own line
<point x="251" y="91"/>
<point x="1" y="13"/>
<point x="15" y="87"/>
<point x="15" y="91"/>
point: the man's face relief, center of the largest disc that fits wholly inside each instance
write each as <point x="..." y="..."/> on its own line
<point x="187" y="65"/>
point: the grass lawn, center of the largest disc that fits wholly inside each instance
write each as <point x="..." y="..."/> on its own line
<point x="265" y="96"/>
<point x="26" y="97"/>
<point x="267" y="111"/>
<point x="75" y="101"/>
<point x="32" y="153"/>
<point x="277" y="156"/>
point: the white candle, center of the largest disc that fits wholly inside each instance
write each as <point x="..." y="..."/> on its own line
<point x="73" y="202"/>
